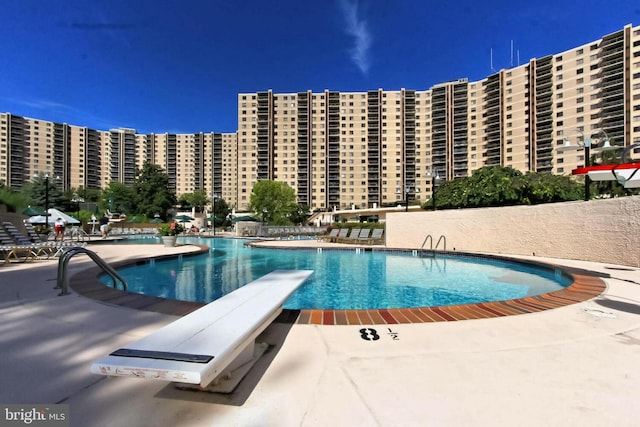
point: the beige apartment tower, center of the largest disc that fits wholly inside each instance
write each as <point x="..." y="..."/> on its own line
<point x="365" y="149"/>
<point x="82" y="157"/>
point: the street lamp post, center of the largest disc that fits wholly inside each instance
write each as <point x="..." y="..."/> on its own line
<point x="77" y="200"/>
<point x="434" y="177"/>
<point x="46" y="197"/>
<point x="46" y="200"/>
<point x="213" y="221"/>
<point x="587" y="162"/>
<point x="406" y="198"/>
<point x="433" y="191"/>
<point x="586" y="144"/>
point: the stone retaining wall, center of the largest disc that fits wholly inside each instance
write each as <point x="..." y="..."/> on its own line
<point x="606" y="230"/>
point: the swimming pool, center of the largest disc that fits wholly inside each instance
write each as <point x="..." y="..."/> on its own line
<point x="343" y="279"/>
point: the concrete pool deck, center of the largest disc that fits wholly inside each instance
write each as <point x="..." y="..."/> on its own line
<point x="574" y="365"/>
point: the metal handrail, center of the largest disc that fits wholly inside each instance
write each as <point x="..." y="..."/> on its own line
<point x="78" y="234"/>
<point x="62" y="281"/>
<point x="425" y="242"/>
<point x="429" y="238"/>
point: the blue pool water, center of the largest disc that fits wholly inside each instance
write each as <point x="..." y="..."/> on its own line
<point x="342" y="279"/>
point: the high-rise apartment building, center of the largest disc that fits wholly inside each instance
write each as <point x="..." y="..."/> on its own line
<point x="334" y="148"/>
<point x="364" y="149"/>
<point x="82" y="157"/>
<point x="343" y="149"/>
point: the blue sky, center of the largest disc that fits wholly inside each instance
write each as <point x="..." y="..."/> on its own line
<point x="177" y="66"/>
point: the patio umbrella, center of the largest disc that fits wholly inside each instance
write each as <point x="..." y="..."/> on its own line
<point x="39" y="219"/>
<point x="29" y="211"/>
<point x="184" y="218"/>
<point x="53" y="215"/>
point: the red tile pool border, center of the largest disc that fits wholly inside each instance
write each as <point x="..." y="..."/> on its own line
<point x="586" y="285"/>
<point x="583" y="288"/>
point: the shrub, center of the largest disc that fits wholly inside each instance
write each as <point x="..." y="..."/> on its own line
<point x="172" y="229"/>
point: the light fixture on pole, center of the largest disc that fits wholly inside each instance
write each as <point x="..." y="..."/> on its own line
<point x="213" y="217"/>
<point x="434" y="177"/>
<point x="407" y="189"/>
<point x="46" y="200"/>
<point x="585" y="143"/>
<point x="77" y="200"/>
<point x="46" y="196"/>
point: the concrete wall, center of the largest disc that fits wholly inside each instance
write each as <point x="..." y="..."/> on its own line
<point x="247" y="228"/>
<point x="598" y="230"/>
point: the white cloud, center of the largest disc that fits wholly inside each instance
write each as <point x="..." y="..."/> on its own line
<point x="356" y="27"/>
<point x="42" y="104"/>
<point x="44" y="109"/>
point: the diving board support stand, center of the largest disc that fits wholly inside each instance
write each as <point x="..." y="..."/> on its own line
<point x="231" y="376"/>
<point x="214" y="347"/>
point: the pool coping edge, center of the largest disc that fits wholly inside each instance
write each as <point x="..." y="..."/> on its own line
<point x="586" y="285"/>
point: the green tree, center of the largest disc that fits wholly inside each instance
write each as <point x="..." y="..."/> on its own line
<point x="151" y="192"/>
<point x="198" y="199"/>
<point x="274" y="202"/>
<point x="36" y="192"/>
<point x="544" y="187"/>
<point x="14" y="200"/>
<point x="117" y="197"/>
<point x="89" y="195"/>
<point x="67" y="203"/>
<point x="221" y="212"/>
<point x="504" y="186"/>
<point x="301" y="213"/>
<point x="488" y="186"/>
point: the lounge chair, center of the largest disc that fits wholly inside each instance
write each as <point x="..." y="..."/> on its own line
<point x="333" y="234"/>
<point x="344" y="232"/>
<point x="341" y="233"/>
<point x="364" y="234"/>
<point x="15" y="234"/>
<point x="32" y="234"/>
<point x="38" y="250"/>
<point x="14" y="252"/>
<point x="75" y="232"/>
<point x="9" y="253"/>
<point x="352" y="237"/>
<point x="376" y="236"/>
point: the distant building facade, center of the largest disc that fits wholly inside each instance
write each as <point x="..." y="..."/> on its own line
<point x="82" y="157"/>
<point x="363" y="149"/>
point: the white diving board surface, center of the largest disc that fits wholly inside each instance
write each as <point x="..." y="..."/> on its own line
<point x="210" y="342"/>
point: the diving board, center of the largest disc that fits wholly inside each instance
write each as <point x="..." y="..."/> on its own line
<point x="213" y="344"/>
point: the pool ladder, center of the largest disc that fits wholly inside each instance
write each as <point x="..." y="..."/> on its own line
<point x="442" y="239"/>
<point x="62" y="281"/>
